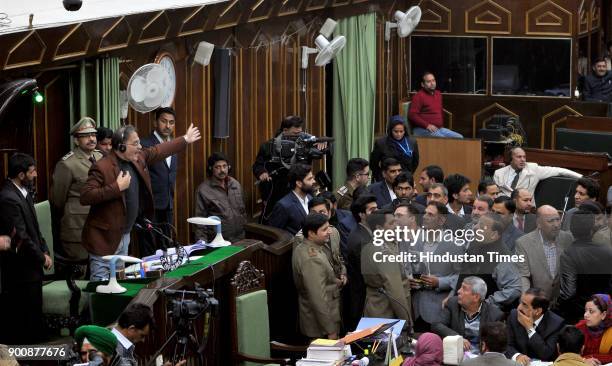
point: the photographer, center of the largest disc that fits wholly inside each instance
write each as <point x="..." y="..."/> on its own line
<point x="271" y="166"/>
<point x="96" y="345"/>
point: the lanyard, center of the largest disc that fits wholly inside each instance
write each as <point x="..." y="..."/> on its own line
<point x="407" y="151"/>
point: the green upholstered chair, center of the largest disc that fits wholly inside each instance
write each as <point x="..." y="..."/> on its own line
<point x="62" y="300"/>
<point x="404" y="107"/>
<point x="249" y="313"/>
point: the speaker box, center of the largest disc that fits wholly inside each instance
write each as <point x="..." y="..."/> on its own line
<point x="203" y="53"/>
<point x="222" y="73"/>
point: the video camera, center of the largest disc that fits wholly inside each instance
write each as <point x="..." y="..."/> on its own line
<point x="190" y="309"/>
<point x="288" y="150"/>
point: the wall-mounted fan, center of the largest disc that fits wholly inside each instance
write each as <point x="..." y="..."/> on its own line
<point x="406" y="22"/>
<point x="150" y="88"/>
<point x="326" y="50"/>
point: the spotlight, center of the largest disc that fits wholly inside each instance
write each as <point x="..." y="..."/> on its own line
<point x="38" y="97"/>
<point x="72" y="5"/>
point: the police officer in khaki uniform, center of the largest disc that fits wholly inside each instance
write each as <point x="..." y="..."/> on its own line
<point x="357" y="175"/>
<point x="387" y="290"/>
<point x="316" y="283"/>
<point x="69" y="176"/>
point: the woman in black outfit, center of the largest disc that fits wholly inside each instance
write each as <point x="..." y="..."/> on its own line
<point x="397" y="144"/>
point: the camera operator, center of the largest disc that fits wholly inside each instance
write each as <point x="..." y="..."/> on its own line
<point x="96" y="345"/>
<point x="271" y="170"/>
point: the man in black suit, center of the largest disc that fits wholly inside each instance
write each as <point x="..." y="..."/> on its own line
<point x="354" y="293"/>
<point x="523" y="219"/>
<point x="466" y="313"/>
<point x="22" y="265"/>
<point x="163" y="177"/>
<point x="290" y="211"/>
<point x="383" y="190"/>
<point x="533" y="329"/>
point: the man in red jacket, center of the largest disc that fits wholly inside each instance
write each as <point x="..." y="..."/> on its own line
<point x="119" y="191"/>
<point x="425" y="112"/>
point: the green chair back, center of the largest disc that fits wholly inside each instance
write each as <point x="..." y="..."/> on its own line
<point x="252" y="325"/>
<point x="404" y="107"/>
<point x="43" y="214"/>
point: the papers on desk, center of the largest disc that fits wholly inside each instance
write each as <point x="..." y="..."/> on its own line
<point x="200" y="245"/>
<point x="539" y="363"/>
<point x="155" y="264"/>
<point x="365" y="323"/>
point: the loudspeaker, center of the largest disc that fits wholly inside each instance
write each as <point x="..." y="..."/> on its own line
<point x="203" y="53"/>
<point x="222" y="76"/>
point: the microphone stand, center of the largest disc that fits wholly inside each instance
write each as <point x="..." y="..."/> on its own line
<point x="166" y="260"/>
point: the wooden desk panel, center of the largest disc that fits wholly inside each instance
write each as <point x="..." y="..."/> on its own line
<point x="589" y="123"/>
<point x="462" y="156"/>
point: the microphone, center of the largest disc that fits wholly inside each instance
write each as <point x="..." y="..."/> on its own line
<point x="381" y="290"/>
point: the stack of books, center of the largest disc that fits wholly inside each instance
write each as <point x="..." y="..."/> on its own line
<point x="325" y="352"/>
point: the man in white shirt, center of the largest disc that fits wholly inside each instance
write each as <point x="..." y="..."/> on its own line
<point x="521" y="174"/>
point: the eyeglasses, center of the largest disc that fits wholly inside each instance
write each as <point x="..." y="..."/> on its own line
<point x="366" y="174"/>
<point x="135" y="144"/>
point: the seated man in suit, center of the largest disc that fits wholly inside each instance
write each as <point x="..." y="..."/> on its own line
<point x="533" y="329"/>
<point x="487" y="186"/>
<point x="466" y="313"/>
<point x="521" y="174"/>
<point x="505" y="207"/>
<point x="383" y="190"/>
<point x="387" y="289"/>
<point x="459" y="195"/>
<point x="290" y="211"/>
<point x="543" y="246"/>
<point x="493" y="343"/>
<point x="523" y="219"/>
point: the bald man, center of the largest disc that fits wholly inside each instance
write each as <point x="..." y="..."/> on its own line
<point x="521" y="174"/>
<point x="543" y="246"/>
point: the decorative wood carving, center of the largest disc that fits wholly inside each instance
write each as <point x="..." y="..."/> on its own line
<point x="553" y="118"/>
<point x="27" y="51"/>
<point x="316" y="5"/>
<point x="435" y="17"/>
<point x="230" y="16"/>
<point x="481" y="117"/>
<point x="488" y="17"/>
<point x="583" y="18"/>
<point x="261" y="10"/>
<point x="290" y="7"/>
<point x="117" y="36"/>
<point x="155" y="29"/>
<point x="247" y="278"/>
<point x="548" y="18"/>
<point x="74" y="44"/>
<point x="195" y="22"/>
<point x="595" y="15"/>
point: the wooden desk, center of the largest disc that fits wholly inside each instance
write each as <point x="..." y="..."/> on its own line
<point x="583" y="163"/>
<point x="588" y="123"/>
<point x="463" y="156"/>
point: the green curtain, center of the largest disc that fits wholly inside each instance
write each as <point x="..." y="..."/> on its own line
<point x="354" y="94"/>
<point x="98" y="92"/>
<point x="109" y="106"/>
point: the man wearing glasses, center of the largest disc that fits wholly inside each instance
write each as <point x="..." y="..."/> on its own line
<point x="68" y="179"/>
<point x="119" y="191"/>
<point x="163" y="178"/>
<point x="357" y="175"/>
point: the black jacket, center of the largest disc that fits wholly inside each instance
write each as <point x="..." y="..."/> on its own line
<point x="585" y="270"/>
<point x="288" y="214"/>
<point x="386" y="147"/>
<point x="163" y="177"/>
<point x="24" y="262"/>
<point x="357" y="239"/>
<point x="542" y="345"/>
<point x="598" y="89"/>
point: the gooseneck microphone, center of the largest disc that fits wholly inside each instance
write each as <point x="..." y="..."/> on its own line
<point x="409" y="320"/>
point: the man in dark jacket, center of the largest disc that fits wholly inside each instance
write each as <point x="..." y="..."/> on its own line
<point x="584" y="268"/>
<point x="22" y="265"/>
<point x="398" y="145"/>
<point x="533" y="329"/>
<point x="163" y="177"/>
<point x="383" y="190"/>
<point x="119" y="191"/>
<point x="466" y="313"/>
<point x="598" y="86"/>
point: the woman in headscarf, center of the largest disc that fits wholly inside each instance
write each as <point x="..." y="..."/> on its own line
<point x="398" y="145"/>
<point x="597" y="329"/>
<point x="429" y="351"/>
